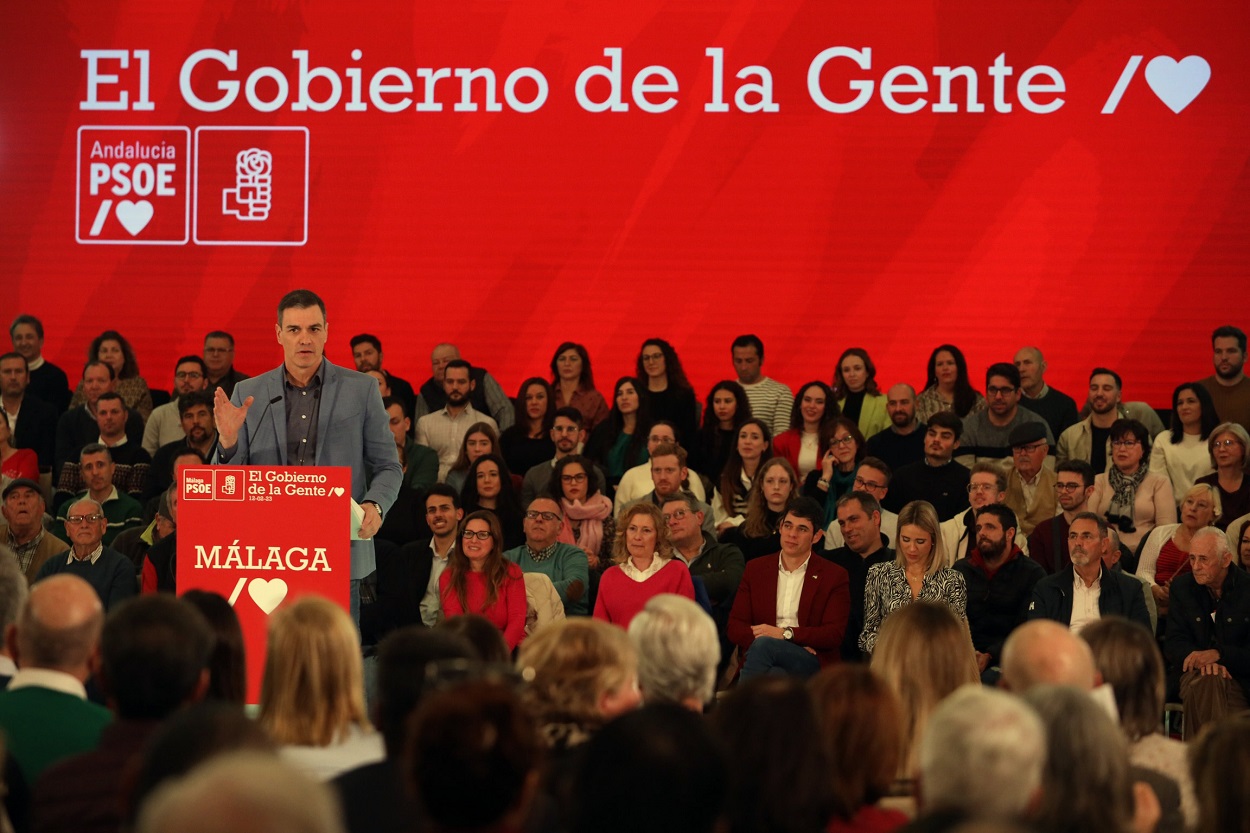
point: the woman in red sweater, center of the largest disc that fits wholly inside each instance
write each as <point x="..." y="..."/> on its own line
<point x="643" y="566"/>
<point x="478" y="579"/>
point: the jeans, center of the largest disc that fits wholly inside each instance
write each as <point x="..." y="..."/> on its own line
<point x="768" y="655"/>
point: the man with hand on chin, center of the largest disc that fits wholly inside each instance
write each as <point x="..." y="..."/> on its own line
<point x="302" y="400"/>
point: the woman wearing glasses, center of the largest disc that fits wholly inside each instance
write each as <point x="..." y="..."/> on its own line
<point x="478" y="579"/>
<point x="1133" y="499"/>
<point x="642" y="566"/>
<point x="588" y="521"/>
<point x="1230" y="454"/>
<point x="670" y="393"/>
<point x="836" y="474"/>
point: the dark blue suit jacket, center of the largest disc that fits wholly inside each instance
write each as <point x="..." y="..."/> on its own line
<point x="1120" y="595"/>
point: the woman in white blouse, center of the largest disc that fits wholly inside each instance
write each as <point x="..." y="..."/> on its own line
<point x="1180" y="453"/>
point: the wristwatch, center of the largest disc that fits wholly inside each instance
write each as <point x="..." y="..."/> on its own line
<point x="787" y="633"/>
<point x="375" y="505"/>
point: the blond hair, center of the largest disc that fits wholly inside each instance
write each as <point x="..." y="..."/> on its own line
<point x="663" y="547"/>
<point x="921" y="513"/>
<point x="570" y="665"/>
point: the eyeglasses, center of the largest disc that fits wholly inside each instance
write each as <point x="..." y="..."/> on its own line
<point x="1124" y="443"/>
<point x="679" y="515"/>
<point x="861" y="483"/>
<point x="481" y="534"/>
<point x="652" y="357"/>
<point x="847" y="440"/>
<point x="1068" y="487"/>
<point x="82" y="519"/>
<point x="218" y="349"/>
<point x="573" y="478"/>
<point x="533" y="515"/>
<point x="981" y="487"/>
<point x="996" y="391"/>
<point x="1224" y="443"/>
<point x="1029" y="449"/>
<point x="189" y="374"/>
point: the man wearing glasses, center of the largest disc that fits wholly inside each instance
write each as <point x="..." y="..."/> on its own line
<point x="164" y="426"/>
<point x="987" y="485"/>
<point x="1074" y="484"/>
<point x="1030" y="485"/>
<point x="987" y="433"/>
<point x="564" y="564"/>
<point x="873" y="477"/>
<point x="219" y="359"/>
<point x="110" y="574"/>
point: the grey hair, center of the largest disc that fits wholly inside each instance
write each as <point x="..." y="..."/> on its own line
<point x="678" y="650"/>
<point x="1002" y="735"/>
<point x="13" y="588"/>
<point x="1222" y="546"/>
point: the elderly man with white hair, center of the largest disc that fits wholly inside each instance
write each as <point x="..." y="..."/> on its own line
<point x="678" y="650"/>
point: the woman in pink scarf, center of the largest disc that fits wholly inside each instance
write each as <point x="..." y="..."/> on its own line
<point x="588" y="521"/>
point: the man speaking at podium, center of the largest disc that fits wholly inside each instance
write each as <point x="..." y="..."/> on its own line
<point x="309" y="412"/>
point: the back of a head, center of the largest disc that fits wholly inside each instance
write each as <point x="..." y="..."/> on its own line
<point x="1042" y="652"/>
<point x="59" y="625"/>
<point x="678" y="650"/>
<point x="682" y="765"/>
<point x="228" y="663"/>
<point x="1127" y="656"/>
<point x="472" y="757"/>
<point x="403" y="658"/>
<point x="487" y="640"/>
<point x="569" y="665"/>
<point x="1220" y="762"/>
<point x="243" y="792"/>
<point x="1086" y="783"/>
<point x="155" y="653"/>
<point x="982" y="755"/>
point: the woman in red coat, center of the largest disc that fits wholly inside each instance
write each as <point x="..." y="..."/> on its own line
<point x="478" y="579"/>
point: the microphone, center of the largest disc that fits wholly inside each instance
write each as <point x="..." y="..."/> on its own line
<point x="268" y="405"/>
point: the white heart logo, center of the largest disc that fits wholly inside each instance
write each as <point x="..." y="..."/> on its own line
<point x="1177" y="83"/>
<point x="338" y="491"/>
<point x="134" y="216"/>
<point x="267" y="594"/>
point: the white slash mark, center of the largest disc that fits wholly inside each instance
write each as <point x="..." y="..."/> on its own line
<point x="100" y="217"/>
<point x="1113" y="100"/>
<point x="238" y="588"/>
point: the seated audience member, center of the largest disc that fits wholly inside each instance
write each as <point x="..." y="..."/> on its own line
<point x="153" y="656"/>
<point x="478" y="578"/>
<point x="873" y="477"/>
<point x="312" y="697"/>
<point x="32" y="421"/>
<point x="1220" y="761"/>
<point x="1006" y="740"/>
<point x="937" y="478"/>
<point x="902" y="443"/>
<point x="1000" y="580"/>
<point x="567" y="436"/>
<point x="676" y="750"/>
<point x="1074" y="484"/>
<point x="158" y="565"/>
<point x="528" y="442"/>
<point x="805" y="442"/>
<point x="488" y="485"/>
<point x="479" y="440"/>
<point x="1228" y="386"/>
<point x="770" y="400"/>
<point x="131" y="462"/>
<point x="111" y="574"/>
<point x="1128" y="659"/>
<point x="1085" y="591"/>
<point x="670" y="396"/>
<point x="199" y="434"/>
<point x="619" y="442"/>
<point x="482" y="393"/>
<point x="587" y="513"/>
<point x="752" y="450"/>
<point x="444" y="428"/>
<point x="1207" y="641"/>
<point x="780" y="776"/>
<point x="482" y="635"/>
<point x="861" y="726"/>
<point x="727" y="407"/>
<point x="918" y="572"/>
<point x="987" y="485"/>
<point x="472" y="759"/>
<point x="164" y="426"/>
<point x="1054" y="406"/>
<point x="678" y="651"/>
<point x="219" y="359"/>
<point x="986" y="433"/>
<point x="1042" y="652"/>
<point x="121" y="511"/>
<point x="22" y="531"/>
<point x="718" y="566"/>
<point x="78" y="427"/>
<point x="14" y="588"/>
<point x="775" y="486"/>
<point x="15" y="463"/>
<point x="112" y="348"/>
<point x="1113" y="559"/>
<point x="243" y="792"/>
<point x="227" y="667"/>
<point x="367" y="355"/>
<point x="1181" y="453"/>
<point x="420" y="463"/>
<point x="1030" y="484"/>
<point x="1131" y="497"/>
<point x="789" y="616"/>
<point x="865" y="545"/>
<point x="565" y="564"/>
<point x="669" y="477"/>
<point x="573" y="384"/>
<point x="947" y="386"/>
<point x="836" y="475"/>
<point x="1165" y="551"/>
<point x="643" y="566"/>
<point x="923" y="655"/>
<point x="856" y="390"/>
<point x="47" y="381"/>
<point x="1229" y="446"/>
<point x="636" y="482"/>
<point x="1090" y="439"/>
<point x="374" y="797"/>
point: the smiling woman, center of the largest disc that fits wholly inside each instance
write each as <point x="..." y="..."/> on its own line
<point x="478" y="579"/>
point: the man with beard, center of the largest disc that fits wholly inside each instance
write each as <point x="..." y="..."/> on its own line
<point x="1090" y="439"/>
<point x="986" y="433"/>
<point x="988" y="485"/>
<point x="164" y="426"/>
<point x="486" y="395"/>
<point x="859" y="522"/>
<point x="1229" y="387"/>
<point x="903" y="441"/>
<point x="1085" y="592"/>
<point x="195" y="414"/>
<point x="444" y="429"/>
<point x="568" y="436"/>
<point x="1000" y="581"/>
<point x="1048" y="545"/>
<point x="367" y="353"/>
<point x="937" y="478"/>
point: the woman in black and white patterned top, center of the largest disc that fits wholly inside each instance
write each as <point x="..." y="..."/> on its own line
<point x="916" y="573"/>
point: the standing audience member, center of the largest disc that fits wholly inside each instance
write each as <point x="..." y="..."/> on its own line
<point x="619" y="442"/>
<point x="946" y="386"/>
<point x="1056" y="407"/>
<point x="669" y="393"/>
<point x="112" y="348"/>
<point x="770" y="400"/>
<point x="1228" y="386"/>
<point x="219" y="359"/>
<point x="856" y="390"/>
<point x="574" y="384"/>
<point x="1181" y="454"/>
<point x="903" y="442"/>
<point x="47" y="381"/>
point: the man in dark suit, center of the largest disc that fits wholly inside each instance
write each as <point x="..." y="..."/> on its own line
<point x="789" y="615"/>
<point x="33" y="421"/>
<point x="315" y="414"/>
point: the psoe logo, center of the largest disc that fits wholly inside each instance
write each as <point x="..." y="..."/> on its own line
<point x="197" y="484"/>
<point x="229" y="483"/>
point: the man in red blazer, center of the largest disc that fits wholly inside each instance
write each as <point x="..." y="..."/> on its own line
<point x="790" y="614"/>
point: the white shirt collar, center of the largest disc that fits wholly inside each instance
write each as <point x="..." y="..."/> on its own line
<point x="50" y="679"/>
<point x="93" y="557"/>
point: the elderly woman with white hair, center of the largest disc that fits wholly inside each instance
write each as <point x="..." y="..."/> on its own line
<point x="678" y="651"/>
<point x="1165" y="553"/>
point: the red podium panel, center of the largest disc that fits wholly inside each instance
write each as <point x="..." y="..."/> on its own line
<point x="263" y="536"/>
